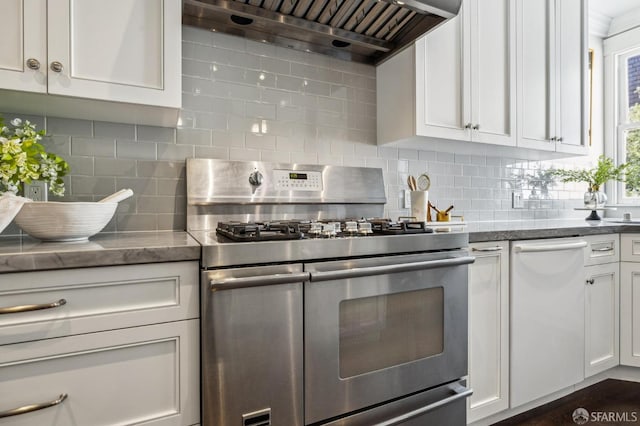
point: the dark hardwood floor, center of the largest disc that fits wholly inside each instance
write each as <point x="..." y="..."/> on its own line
<point x="610" y="402"/>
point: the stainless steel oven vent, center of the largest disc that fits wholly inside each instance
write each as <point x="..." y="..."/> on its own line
<point x="365" y="31"/>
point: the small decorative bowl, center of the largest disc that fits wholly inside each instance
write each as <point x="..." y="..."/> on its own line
<point x="64" y="221"/>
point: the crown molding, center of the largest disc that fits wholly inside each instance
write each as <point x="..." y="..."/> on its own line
<point x="599" y="24"/>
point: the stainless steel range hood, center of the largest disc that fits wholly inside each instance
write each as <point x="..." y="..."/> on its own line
<point x="365" y="31"/>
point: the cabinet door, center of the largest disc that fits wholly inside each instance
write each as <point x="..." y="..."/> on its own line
<point x="141" y="375"/>
<point x="23" y="40"/>
<point x="120" y="50"/>
<point x="571" y="54"/>
<point x="536" y="82"/>
<point x="601" y="318"/>
<point x="488" y="330"/>
<point x="442" y="92"/>
<point x="630" y="314"/>
<point x="492" y="71"/>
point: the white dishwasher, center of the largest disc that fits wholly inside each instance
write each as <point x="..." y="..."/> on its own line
<point x="547" y="317"/>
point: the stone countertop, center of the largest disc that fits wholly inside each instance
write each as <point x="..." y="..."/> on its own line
<point x="27" y="254"/>
<point x="552" y="228"/>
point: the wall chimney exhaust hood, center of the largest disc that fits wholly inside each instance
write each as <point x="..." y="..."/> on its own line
<point x="367" y="31"/>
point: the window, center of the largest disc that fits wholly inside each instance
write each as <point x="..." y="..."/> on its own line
<point x="622" y="109"/>
<point x="628" y="116"/>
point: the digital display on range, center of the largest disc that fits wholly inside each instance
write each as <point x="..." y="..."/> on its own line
<point x="299" y="176"/>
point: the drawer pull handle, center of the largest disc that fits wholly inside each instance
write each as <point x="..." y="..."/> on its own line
<point x="485" y="249"/>
<point x="603" y="249"/>
<point x="33" y="407"/>
<point x="29" y="308"/>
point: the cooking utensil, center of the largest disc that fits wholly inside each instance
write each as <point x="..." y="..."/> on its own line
<point x="423" y="182"/>
<point x="116" y="197"/>
<point x="411" y="182"/>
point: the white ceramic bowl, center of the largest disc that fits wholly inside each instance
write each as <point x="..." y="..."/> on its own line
<point x="64" y="221"/>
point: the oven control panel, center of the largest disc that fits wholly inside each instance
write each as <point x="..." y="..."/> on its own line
<point x="297" y="180"/>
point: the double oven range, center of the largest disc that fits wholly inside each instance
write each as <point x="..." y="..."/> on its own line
<point x="316" y="311"/>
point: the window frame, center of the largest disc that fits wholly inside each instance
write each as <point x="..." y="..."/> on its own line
<point x="617" y="50"/>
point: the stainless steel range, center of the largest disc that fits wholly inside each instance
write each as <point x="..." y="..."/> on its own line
<point x="315" y="310"/>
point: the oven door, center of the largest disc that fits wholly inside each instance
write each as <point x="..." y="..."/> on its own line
<point x="380" y="328"/>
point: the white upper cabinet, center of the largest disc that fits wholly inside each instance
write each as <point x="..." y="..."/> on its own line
<point x="24" y="45"/>
<point x="502" y="73"/>
<point x="463" y="85"/>
<point x="551" y="68"/>
<point x="122" y="51"/>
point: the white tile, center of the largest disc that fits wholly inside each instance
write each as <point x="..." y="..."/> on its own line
<point x="244" y="154"/>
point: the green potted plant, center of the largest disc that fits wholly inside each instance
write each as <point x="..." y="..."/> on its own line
<point x="604" y="171"/>
<point x="24" y="159"/>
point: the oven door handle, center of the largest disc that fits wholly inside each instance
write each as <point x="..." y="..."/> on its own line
<point x="459" y="392"/>
<point x="257" y="281"/>
<point x="390" y="269"/>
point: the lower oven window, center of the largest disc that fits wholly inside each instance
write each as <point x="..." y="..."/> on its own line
<point x="391" y="329"/>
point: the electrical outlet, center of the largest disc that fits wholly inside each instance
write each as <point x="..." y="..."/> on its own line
<point x="407" y="199"/>
<point x="36" y="190"/>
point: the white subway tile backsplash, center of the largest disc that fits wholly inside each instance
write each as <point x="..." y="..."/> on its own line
<point x="105" y="130"/>
<point x="250" y="101"/>
<point x="175" y="152"/>
<point x="304" y="158"/>
<point x="259" y="141"/>
<point x="93" y="147"/>
<point x="193" y="137"/>
<point x="69" y="126"/>
<point x="275" y="65"/>
<point x="114" y="167"/>
<point x="212" y="152"/>
<point x="228" y="139"/>
<point x="156" y="134"/>
<point x="286" y="82"/>
<point x="244" y="154"/>
<point x="260" y="110"/>
<point x="275" y="157"/>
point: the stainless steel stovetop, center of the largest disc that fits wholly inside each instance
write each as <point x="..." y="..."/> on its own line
<point x="223" y="192"/>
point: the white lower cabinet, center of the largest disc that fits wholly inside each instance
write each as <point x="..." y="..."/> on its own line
<point x="101" y="346"/>
<point x="601" y="318"/>
<point x="630" y="300"/>
<point x="136" y="375"/>
<point x="488" y="330"/>
<point x="630" y="314"/>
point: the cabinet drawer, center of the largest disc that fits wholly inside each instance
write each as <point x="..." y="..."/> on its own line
<point x="76" y="301"/>
<point x="630" y="247"/>
<point x="601" y="249"/>
<point x="137" y="375"/>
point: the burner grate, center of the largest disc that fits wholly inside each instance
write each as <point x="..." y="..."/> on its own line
<point x="260" y="231"/>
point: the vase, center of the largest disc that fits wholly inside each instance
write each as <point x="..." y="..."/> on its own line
<point x="594" y="198"/>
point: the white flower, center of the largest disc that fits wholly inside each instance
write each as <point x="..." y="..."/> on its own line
<point x="16" y="122"/>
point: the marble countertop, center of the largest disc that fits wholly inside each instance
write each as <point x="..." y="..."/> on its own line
<point x="552" y="228"/>
<point x="28" y="254"/>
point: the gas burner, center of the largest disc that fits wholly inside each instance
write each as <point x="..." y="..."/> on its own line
<point x="260" y="231"/>
<point x="389" y="227"/>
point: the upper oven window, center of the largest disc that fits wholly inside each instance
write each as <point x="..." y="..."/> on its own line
<point x="391" y="329"/>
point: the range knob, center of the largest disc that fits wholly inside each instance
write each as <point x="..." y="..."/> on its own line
<point x="255" y="178"/>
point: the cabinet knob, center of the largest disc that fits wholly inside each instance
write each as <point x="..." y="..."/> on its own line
<point x="559" y="139"/>
<point x="590" y="281"/>
<point x="468" y="125"/>
<point x="56" y="66"/>
<point x="33" y="64"/>
<point x="476" y="127"/>
<point x="553" y="139"/>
